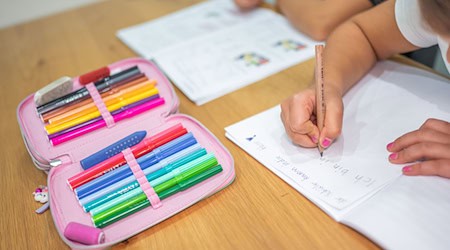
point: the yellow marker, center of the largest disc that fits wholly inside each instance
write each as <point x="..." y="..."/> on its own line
<point x="109" y="100"/>
<point x="51" y="128"/>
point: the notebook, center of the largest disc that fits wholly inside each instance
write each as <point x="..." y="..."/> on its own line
<point x="354" y="182"/>
<point x="212" y="48"/>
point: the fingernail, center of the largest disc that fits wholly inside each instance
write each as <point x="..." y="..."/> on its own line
<point x="393" y="156"/>
<point x="314" y="139"/>
<point x="326" y="142"/>
<point x="407" y="169"/>
<point x="389" y="146"/>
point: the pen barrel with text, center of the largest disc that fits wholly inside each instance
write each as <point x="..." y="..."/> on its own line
<point x="122" y="187"/>
<point x="144" y="161"/>
<point x="116" y="161"/>
<point x="83" y="92"/>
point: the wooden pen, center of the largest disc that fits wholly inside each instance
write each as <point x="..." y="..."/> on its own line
<point x="320" y="97"/>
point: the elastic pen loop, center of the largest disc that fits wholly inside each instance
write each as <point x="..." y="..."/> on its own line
<point x="100" y="105"/>
<point x="141" y="178"/>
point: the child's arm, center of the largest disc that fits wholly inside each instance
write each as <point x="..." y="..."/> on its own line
<point x="317" y="18"/>
<point x="351" y="51"/>
<point x="248" y="4"/>
<point x="355" y="46"/>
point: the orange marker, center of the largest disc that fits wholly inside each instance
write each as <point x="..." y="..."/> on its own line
<point x="49" y="115"/>
<point x="127" y="99"/>
<point x="107" y="98"/>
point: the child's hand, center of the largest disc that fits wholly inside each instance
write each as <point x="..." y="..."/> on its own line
<point x="299" y="119"/>
<point x="248" y="4"/>
<point x="428" y="149"/>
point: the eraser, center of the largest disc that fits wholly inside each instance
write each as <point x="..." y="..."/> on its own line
<point x="53" y="90"/>
<point x="94" y="75"/>
<point x="83" y="234"/>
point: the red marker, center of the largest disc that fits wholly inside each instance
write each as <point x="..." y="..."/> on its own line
<point x="94" y="75"/>
<point x="118" y="160"/>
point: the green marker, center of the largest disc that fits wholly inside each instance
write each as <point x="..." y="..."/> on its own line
<point x="209" y="160"/>
<point x="179" y="182"/>
<point x="142" y="201"/>
<point x="150" y="177"/>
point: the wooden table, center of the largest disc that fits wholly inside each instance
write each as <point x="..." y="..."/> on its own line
<point x="258" y="211"/>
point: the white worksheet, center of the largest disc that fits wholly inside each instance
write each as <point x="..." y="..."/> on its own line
<point x="354" y="182"/>
<point x="213" y="48"/>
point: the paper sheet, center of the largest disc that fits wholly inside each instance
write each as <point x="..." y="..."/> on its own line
<point x="415" y="210"/>
<point x="214" y="48"/>
<point x="390" y="101"/>
<point x="200" y="19"/>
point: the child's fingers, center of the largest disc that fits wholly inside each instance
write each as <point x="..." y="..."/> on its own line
<point x="434" y="167"/>
<point x="297" y="114"/>
<point x="333" y="121"/>
<point x="438" y="125"/>
<point x="419" y="151"/>
<point x="301" y="109"/>
<point x="305" y="139"/>
<point x="424" y="134"/>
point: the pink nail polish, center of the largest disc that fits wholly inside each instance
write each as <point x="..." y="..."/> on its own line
<point x="326" y="142"/>
<point x="407" y="169"/>
<point x="393" y="156"/>
<point x="389" y="146"/>
<point x="314" y="139"/>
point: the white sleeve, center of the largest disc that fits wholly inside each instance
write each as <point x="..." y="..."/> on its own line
<point x="413" y="27"/>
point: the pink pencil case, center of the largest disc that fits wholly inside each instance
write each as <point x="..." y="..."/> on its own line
<point x="63" y="161"/>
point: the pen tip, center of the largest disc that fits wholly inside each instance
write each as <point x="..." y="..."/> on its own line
<point x="321" y="154"/>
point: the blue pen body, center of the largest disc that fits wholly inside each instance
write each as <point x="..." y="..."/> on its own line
<point x="152" y="176"/>
<point x="144" y="162"/>
<point x="113" y="149"/>
<point x="173" y="158"/>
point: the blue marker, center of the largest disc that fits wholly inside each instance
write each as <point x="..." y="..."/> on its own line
<point x="208" y="158"/>
<point x="120" y="190"/>
<point x="144" y="162"/>
<point x="113" y="149"/>
<point x="169" y="160"/>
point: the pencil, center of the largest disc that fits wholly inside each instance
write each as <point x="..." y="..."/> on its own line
<point x="320" y="98"/>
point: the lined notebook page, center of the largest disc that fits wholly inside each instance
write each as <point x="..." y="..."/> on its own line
<point x="412" y="213"/>
<point x="391" y="100"/>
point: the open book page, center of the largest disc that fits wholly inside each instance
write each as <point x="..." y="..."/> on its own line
<point x="216" y="64"/>
<point x="391" y="100"/>
<point x="221" y="49"/>
<point x="204" y="18"/>
<point x="415" y="210"/>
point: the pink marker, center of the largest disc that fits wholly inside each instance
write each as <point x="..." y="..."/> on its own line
<point x="100" y="124"/>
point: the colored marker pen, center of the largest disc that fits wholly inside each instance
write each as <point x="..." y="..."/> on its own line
<point x="138" y="150"/>
<point x="200" y="164"/>
<point x="145" y="161"/>
<point x="140" y="202"/>
<point x="161" y="168"/>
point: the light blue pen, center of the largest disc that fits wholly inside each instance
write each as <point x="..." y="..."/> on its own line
<point x="169" y="160"/>
<point x="153" y="183"/>
<point x="118" y="190"/>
